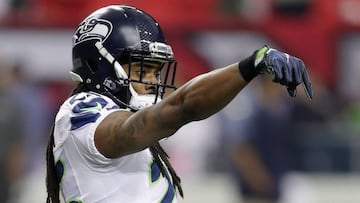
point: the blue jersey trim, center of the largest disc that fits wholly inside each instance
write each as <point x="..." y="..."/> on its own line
<point x="81" y="120"/>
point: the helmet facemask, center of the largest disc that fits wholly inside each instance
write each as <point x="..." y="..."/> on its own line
<point x="158" y="53"/>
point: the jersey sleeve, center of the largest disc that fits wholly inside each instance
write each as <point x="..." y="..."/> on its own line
<point x="86" y="111"/>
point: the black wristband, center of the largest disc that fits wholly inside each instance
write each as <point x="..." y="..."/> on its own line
<point x="247" y="68"/>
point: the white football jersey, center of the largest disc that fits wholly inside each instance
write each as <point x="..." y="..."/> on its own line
<point x="86" y="175"/>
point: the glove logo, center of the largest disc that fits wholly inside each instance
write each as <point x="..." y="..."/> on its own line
<point x="92" y="28"/>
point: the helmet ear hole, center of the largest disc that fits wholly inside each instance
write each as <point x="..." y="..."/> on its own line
<point x="93" y="66"/>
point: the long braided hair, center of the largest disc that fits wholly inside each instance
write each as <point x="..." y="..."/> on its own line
<point x="53" y="181"/>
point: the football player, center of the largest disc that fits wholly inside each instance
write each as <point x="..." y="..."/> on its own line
<point x="104" y="145"/>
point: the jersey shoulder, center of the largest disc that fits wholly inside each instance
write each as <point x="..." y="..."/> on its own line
<point x="87" y="101"/>
<point x="86" y="107"/>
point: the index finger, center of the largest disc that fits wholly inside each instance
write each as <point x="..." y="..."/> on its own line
<point x="307" y="84"/>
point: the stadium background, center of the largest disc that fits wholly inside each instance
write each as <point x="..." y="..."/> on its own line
<point x="35" y="52"/>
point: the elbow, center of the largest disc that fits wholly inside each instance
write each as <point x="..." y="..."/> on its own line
<point x="190" y="103"/>
<point x="191" y="109"/>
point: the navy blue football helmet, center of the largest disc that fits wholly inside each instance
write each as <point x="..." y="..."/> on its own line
<point x="113" y="36"/>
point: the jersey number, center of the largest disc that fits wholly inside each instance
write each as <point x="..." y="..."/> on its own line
<point x="155" y="176"/>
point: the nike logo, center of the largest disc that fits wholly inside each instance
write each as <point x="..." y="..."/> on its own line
<point x="98" y="107"/>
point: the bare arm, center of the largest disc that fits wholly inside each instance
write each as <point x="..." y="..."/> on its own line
<point x="123" y="133"/>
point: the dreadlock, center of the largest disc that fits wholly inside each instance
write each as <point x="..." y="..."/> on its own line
<point x="52" y="181"/>
<point x="159" y="154"/>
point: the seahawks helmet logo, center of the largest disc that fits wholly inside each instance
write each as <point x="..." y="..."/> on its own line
<point x="92" y="28"/>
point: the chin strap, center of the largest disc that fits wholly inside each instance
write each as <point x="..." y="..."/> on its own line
<point x="142" y="101"/>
